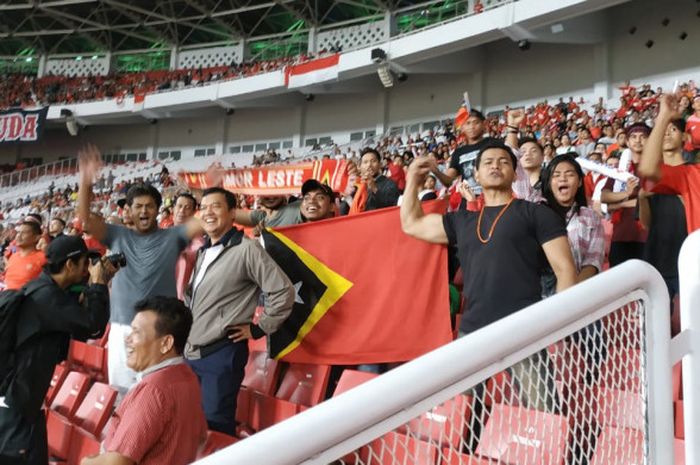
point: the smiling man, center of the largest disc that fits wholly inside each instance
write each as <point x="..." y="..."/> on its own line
<point x="158" y="422"/>
<point x="230" y="273"/>
<point x="151" y="256"/>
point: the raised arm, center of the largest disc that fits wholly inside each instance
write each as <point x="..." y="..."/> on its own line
<point x="650" y="164"/>
<point x="414" y="222"/>
<point x="562" y="262"/>
<point x="515" y="118"/>
<point x="89" y="165"/>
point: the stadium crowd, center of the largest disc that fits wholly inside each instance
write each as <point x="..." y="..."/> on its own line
<point x="556" y="191"/>
<point x="19" y="90"/>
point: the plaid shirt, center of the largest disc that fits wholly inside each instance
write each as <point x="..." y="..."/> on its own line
<point x="586" y="238"/>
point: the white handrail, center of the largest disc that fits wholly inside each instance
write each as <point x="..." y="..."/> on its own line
<point x="689" y="343"/>
<point x="339" y="425"/>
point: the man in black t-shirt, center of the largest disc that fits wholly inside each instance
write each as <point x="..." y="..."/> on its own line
<point x="463" y="158"/>
<point x="502" y="250"/>
<point x="521" y="234"/>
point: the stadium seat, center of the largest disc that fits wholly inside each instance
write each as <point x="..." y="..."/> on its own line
<point x="59" y="431"/>
<point x="302" y="386"/>
<point x="500" y="389"/>
<point x="96" y="409"/>
<point x="215" y="441"/>
<point x="70" y="395"/>
<point x="350" y="379"/>
<point x="679" y="424"/>
<point x="679" y="451"/>
<point x="261" y="373"/>
<point x="619" y="446"/>
<point x="447" y="424"/>
<point x="452" y="457"/>
<point x="515" y="435"/>
<point x="622" y="409"/>
<point x="395" y="448"/>
<point x="95" y="362"/>
<point x="59" y="375"/>
<point x="76" y="355"/>
<point x="102" y="341"/>
<point x="621" y="369"/>
<point x="82" y="445"/>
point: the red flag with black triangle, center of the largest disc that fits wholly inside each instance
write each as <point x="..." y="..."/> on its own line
<point x="366" y="292"/>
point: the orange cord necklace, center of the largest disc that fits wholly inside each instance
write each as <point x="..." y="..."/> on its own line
<point x="493" y="226"/>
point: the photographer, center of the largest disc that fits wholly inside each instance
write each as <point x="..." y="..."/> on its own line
<point x="50" y="314"/>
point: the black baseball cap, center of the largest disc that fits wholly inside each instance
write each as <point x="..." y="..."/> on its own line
<point x="315" y="185"/>
<point x="64" y="247"/>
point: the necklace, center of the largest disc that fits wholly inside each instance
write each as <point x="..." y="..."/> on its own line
<point x="493" y="226"/>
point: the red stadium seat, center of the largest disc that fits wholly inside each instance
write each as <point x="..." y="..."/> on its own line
<point x="350" y="379"/>
<point x="59" y="375"/>
<point x="302" y="386"/>
<point x="679" y="424"/>
<point x="76" y="355"/>
<point x="447" y="424"/>
<point x="261" y="373"/>
<point x="679" y="451"/>
<point x="215" y="441"/>
<point x="451" y="457"/>
<point x="622" y="409"/>
<point x="621" y="369"/>
<point x="96" y="409"/>
<point x="395" y="448"/>
<point x="59" y="431"/>
<point x="101" y="342"/>
<point x="70" y="395"/>
<point x="82" y="445"/>
<point x="516" y="435"/>
<point x="95" y="362"/>
<point x="500" y="389"/>
<point x="619" y="446"/>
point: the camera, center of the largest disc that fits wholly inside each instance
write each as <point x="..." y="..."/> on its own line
<point x="118" y="260"/>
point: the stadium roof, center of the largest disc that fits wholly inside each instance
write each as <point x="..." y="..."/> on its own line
<point x="33" y="27"/>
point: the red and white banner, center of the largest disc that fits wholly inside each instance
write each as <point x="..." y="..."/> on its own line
<point x="22" y="125"/>
<point x="276" y="179"/>
<point x="312" y="72"/>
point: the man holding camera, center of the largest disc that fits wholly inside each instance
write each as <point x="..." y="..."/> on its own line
<point x="151" y="254"/>
<point x="49" y="315"/>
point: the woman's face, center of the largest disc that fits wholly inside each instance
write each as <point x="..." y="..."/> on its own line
<point x="564" y="183"/>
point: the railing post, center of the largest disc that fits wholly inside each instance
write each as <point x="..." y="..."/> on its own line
<point x="689" y="272"/>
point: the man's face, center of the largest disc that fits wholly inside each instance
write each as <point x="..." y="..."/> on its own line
<point x="673" y="138"/>
<point x="184" y="210"/>
<point x="216" y="215"/>
<point x="595" y="157"/>
<point x="532" y="156"/>
<point x="144" y="212"/>
<point x="636" y="141"/>
<point x="473" y="128"/>
<point x="78" y="273"/>
<point x="55" y="227"/>
<point x="495" y="169"/>
<point x="26" y="238"/>
<point x="143" y="346"/>
<point x="316" y="205"/>
<point x="622" y="139"/>
<point x="370" y="165"/>
<point x="273" y="202"/>
<point x="612" y="162"/>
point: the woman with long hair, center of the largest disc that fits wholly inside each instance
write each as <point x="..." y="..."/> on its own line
<point x="563" y="190"/>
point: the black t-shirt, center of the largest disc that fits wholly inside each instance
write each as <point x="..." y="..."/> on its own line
<point x="503" y="275"/>
<point x="463" y="160"/>
<point x="667" y="232"/>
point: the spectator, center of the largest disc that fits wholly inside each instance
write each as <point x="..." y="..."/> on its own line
<point x="230" y="273"/>
<point x="166" y="219"/>
<point x="185" y="207"/>
<point x="663" y="215"/>
<point x="692" y="126"/>
<point x="56" y="227"/>
<point x="462" y="159"/>
<point x="584" y="144"/>
<point x="396" y="172"/>
<point x="628" y="235"/>
<point x="48" y="317"/>
<point x="158" y="421"/>
<point x="565" y="146"/>
<point x="26" y="263"/>
<point x="151" y="255"/>
<point x="376" y="190"/>
<point x="527" y="184"/>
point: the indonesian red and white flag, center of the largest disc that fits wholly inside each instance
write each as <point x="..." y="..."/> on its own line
<point x="312" y="72"/>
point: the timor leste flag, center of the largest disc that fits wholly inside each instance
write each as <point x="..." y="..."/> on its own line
<point x="365" y="292"/>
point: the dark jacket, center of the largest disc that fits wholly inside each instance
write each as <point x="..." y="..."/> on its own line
<point x="387" y="194"/>
<point x="48" y="318"/>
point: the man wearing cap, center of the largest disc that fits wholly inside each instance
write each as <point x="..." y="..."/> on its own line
<point x="25" y="264"/>
<point x="230" y="274"/>
<point x="316" y="204"/>
<point x="47" y="319"/>
<point x="628" y="234"/>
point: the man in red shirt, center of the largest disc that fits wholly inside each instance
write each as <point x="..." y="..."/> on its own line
<point x="160" y="420"/>
<point x="25" y="264"/>
<point x="683" y="180"/>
